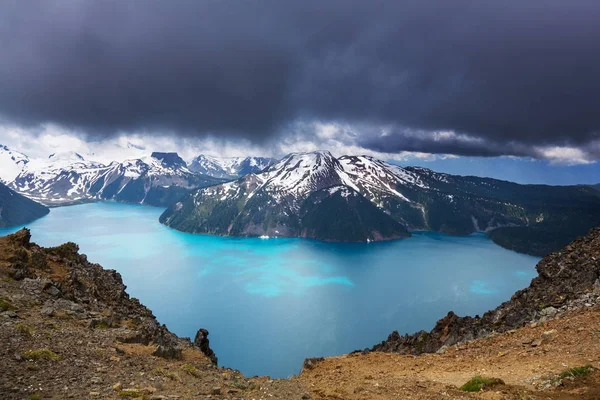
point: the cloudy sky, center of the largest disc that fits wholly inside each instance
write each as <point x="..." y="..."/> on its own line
<point x="472" y="83"/>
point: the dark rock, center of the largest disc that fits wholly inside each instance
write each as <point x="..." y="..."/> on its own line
<point x="168" y="344"/>
<point x="51" y="289"/>
<point x="173" y="352"/>
<point x="21" y="238"/>
<point x="201" y="341"/>
<point x="310" y="363"/>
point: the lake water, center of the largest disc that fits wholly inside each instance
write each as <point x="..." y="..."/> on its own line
<point x="268" y="304"/>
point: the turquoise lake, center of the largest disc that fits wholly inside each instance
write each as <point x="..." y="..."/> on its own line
<point x="268" y="304"/>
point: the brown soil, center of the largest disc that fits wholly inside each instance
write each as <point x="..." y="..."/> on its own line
<point x="528" y="372"/>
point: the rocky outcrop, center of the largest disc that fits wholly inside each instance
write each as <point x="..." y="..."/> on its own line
<point x="201" y="341"/>
<point x="567" y="280"/>
<point x="65" y="281"/>
<point x="69" y="330"/>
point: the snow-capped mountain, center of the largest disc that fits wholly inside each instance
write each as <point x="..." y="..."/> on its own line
<point x="229" y="167"/>
<point x="69" y="178"/>
<point x="158" y="180"/>
<point x="61" y="178"/>
<point x="284" y="200"/>
<point x="11" y="163"/>
<point x="313" y="194"/>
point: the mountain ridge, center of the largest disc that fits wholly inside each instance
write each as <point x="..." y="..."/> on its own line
<point x="229" y="167"/>
<point x="277" y="201"/>
<point x="533" y="219"/>
<point x="16" y="209"/>
<point x="68" y="178"/>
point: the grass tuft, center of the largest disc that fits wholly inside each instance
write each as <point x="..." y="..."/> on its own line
<point x="577" y="372"/>
<point x="129" y="393"/>
<point x="158" y="371"/>
<point x="6" y="306"/>
<point x="24" y="330"/>
<point x="478" y="383"/>
<point x="190" y="369"/>
<point x="41" y="354"/>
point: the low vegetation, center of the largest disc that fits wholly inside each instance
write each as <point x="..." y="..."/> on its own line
<point x="577" y="372"/>
<point x="478" y="383"/>
<point x="6" y="306"/>
<point x="158" y="371"/>
<point x="130" y="394"/>
<point x="190" y="369"/>
<point x="24" y="330"/>
<point x="41" y="354"/>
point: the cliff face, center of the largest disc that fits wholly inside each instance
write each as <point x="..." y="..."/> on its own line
<point x="567" y="280"/>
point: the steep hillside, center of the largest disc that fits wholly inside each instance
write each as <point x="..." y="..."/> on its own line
<point x="69" y="330"/>
<point x="557" y="360"/>
<point x="533" y="219"/>
<point x="541" y="344"/>
<point x="18" y="210"/>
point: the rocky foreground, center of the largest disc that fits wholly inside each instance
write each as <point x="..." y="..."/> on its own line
<point x="69" y="330"/>
<point x="567" y="280"/>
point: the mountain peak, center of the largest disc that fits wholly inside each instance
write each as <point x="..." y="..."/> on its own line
<point x="67" y="155"/>
<point x="229" y="167"/>
<point x="11" y="163"/>
<point x="169" y="159"/>
<point x="312" y="154"/>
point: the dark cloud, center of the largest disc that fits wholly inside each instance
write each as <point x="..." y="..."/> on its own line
<point x="509" y="74"/>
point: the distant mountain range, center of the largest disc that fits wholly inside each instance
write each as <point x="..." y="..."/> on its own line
<point x="11" y="164"/>
<point x="68" y="178"/>
<point x="350" y="198"/>
<point x="159" y="180"/>
<point x="359" y="198"/>
<point x="229" y="167"/>
<point x="18" y="210"/>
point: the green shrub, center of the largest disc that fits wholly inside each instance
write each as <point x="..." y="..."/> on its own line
<point x="190" y="369"/>
<point x="41" y="354"/>
<point x="577" y="371"/>
<point x="24" y="330"/>
<point x="129" y="393"/>
<point x="168" y="374"/>
<point x="478" y="383"/>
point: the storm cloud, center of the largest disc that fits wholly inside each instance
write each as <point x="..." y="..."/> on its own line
<point x="458" y="77"/>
